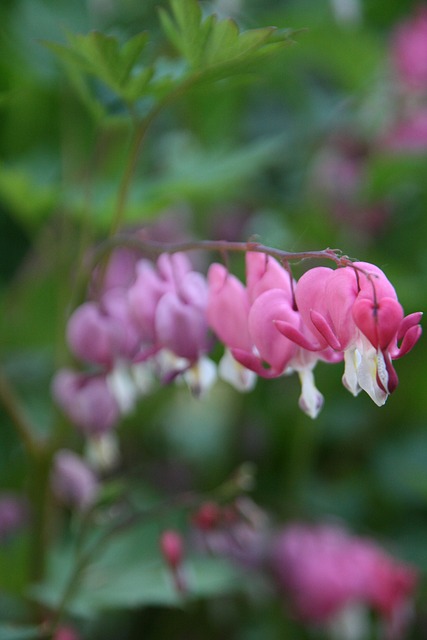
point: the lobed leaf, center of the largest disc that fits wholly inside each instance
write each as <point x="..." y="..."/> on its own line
<point x="211" y="43"/>
<point x="101" y="56"/>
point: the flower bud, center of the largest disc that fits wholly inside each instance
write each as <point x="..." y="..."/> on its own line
<point x="73" y="483"/>
<point x="13" y="514"/>
<point x="172" y="549"/>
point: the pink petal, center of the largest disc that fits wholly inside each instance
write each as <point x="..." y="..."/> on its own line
<point x="228" y="308"/>
<point x="379" y="323"/>
<point x="264" y="273"/>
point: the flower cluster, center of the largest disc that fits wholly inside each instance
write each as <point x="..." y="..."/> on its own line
<point x="157" y="324"/>
<point x="275" y="325"/>
<point x="326" y="577"/>
<point x="149" y="321"/>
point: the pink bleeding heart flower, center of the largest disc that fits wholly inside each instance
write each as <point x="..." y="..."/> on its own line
<point x="264" y="273"/>
<point x="247" y="320"/>
<point x="228" y="308"/>
<point x="115" y="304"/>
<point x="355" y="310"/>
<point x="270" y="295"/>
<point x="180" y="319"/>
<point x="151" y="283"/>
<point x="227" y="314"/>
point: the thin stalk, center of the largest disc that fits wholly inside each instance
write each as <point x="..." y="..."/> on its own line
<point x="139" y="136"/>
<point x="39" y="494"/>
<point x="21" y="421"/>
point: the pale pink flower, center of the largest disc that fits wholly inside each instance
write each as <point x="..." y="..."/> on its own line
<point x="86" y="400"/>
<point x="73" y="482"/>
<point x="180" y="318"/>
<point x="119" y="272"/>
<point x="151" y="283"/>
<point x="168" y="302"/>
<point x="94" y="336"/>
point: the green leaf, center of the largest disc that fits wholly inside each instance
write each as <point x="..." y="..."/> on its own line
<point x="213" y="45"/>
<point x="26" y="198"/>
<point x="130" y="572"/>
<point x="101" y="56"/>
<point x="192" y="174"/>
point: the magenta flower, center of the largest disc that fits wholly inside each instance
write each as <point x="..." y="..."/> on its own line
<point x="66" y="633"/>
<point x="409" y="51"/>
<point x="322" y="570"/>
<point x="86" y="400"/>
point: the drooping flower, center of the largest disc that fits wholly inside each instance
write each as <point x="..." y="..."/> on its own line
<point x="151" y="283"/>
<point x="355" y="310"/>
<point x="246" y="319"/>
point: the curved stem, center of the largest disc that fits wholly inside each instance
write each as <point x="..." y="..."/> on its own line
<point x="222" y="246"/>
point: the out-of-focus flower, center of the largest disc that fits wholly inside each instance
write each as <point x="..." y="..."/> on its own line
<point x="409" y="51"/>
<point x="338" y="178"/>
<point x="72" y="481"/>
<point x="86" y="400"/>
<point x="323" y="570"/>
<point x="238" y="531"/>
<point x="151" y="283"/>
<point x="94" y="336"/>
<point x="172" y="548"/>
<point x="13" y="514"/>
<point x="119" y="272"/>
<point x="408" y="135"/>
<point x="66" y="633"/>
